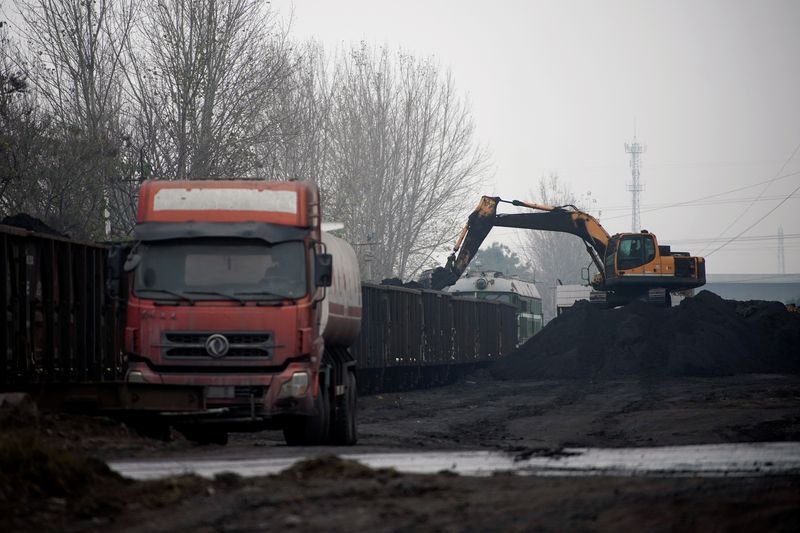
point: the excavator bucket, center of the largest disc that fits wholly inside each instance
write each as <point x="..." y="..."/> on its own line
<point x="479" y="223"/>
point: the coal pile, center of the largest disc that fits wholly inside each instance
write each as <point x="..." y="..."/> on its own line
<point x="703" y="336"/>
<point x="397" y="282"/>
<point x="25" y="221"/>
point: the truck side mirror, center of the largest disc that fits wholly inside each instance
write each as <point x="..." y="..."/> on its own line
<point x="323" y="270"/>
<point x="132" y="262"/>
<point x="115" y="269"/>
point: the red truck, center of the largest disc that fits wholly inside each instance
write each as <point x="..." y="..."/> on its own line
<point x="233" y="286"/>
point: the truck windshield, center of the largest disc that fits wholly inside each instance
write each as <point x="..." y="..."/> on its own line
<point x="215" y="269"/>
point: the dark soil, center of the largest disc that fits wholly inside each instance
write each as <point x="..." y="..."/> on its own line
<point x="703" y="336"/>
<point x="334" y="494"/>
<point x="48" y="482"/>
<point x="517" y="415"/>
<point x="334" y="467"/>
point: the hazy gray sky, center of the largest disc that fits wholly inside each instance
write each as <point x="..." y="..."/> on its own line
<point x="555" y="86"/>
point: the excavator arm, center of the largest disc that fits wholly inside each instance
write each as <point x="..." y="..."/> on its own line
<point x="565" y="219"/>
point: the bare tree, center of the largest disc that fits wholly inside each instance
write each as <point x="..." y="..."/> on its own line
<point x="296" y="125"/>
<point x="73" y="67"/>
<point x="556" y="257"/>
<point x="79" y="49"/>
<point x="139" y="89"/>
<point x="203" y="76"/>
<point x="22" y="133"/>
<point x="403" y="159"/>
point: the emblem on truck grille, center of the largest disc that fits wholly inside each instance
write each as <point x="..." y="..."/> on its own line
<point x="217" y="345"/>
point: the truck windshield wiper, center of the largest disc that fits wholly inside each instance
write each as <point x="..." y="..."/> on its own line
<point x="166" y="291"/>
<point x="265" y="293"/>
<point x="219" y="293"/>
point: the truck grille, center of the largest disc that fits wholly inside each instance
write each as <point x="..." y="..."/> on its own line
<point x="193" y="344"/>
<point x="245" y="392"/>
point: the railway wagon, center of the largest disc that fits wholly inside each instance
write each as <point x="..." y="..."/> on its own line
<point x="60" y="325"/>
<point x="63" y="325"/>
<point x="411" y="338"/>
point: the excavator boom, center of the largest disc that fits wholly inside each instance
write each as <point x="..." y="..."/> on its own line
<point x="566" y="219"/>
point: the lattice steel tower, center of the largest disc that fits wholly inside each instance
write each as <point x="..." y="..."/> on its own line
<point x="635" y="149"/>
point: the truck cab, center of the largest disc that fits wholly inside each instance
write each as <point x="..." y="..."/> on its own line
<point x="229" y="287"/>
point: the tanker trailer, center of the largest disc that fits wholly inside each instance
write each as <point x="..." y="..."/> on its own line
<point x="233" y="287"/>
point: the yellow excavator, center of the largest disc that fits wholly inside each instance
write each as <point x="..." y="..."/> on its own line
<point x="631" y="266"/>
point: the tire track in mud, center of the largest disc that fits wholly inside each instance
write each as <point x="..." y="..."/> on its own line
<point x="551" y="414"/>
<point x="494" y="431"/>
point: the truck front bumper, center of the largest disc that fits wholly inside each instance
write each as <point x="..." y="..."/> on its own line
<point x="250" y="396"/>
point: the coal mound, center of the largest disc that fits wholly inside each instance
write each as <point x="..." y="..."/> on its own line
<point x="25" y="221"/>
<point x="397" y="282"/>
<point x="703" y="336"/>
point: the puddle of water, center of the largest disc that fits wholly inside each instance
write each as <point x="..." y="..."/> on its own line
<point x="701" y="460"/>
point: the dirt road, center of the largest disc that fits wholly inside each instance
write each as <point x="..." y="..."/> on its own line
<point x="484" y="413"/>
<point x="479" y="413"/>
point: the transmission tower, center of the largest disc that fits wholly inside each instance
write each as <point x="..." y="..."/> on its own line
<point x="635" y="149"/>
<point x="781" y="256"/>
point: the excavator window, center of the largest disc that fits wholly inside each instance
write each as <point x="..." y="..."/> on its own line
<point x="635" y="251"/>
<point x="630" y="253"/>
<point x="649" y="248"/>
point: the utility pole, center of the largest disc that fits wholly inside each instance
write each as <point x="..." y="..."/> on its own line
<point x="781" y="256"/>
<point x="635" y="149"/>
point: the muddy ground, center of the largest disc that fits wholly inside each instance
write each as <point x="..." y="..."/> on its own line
<point x="481" y="412"/>
<point x="477" y="413"/>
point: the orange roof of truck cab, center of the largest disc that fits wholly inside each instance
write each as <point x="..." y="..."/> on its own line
<point x="290" y="203"/>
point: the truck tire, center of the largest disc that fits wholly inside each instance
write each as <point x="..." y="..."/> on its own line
<point x="344" y="427"/>
<point x="310" y="430"/>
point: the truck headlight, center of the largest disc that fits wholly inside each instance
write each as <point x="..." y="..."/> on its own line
<point x="135" y="376"/>
<point x="296" y="387"/>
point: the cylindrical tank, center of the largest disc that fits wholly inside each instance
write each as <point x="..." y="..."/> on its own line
<point x="340" y="323"/>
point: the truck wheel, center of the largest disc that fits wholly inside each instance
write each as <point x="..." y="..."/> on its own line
<point x="344" y="430"/>
<point x="310" y="430"/>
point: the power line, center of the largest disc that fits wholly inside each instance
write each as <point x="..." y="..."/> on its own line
<point x="748" y="238"/>
<point x="694" y="201"/>
<point x="698" y="203"/>
<point x="766" y="186"/>
<point x="751" y="226"/>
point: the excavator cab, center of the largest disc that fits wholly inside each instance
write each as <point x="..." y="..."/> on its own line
<point x="630" y="251"/>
